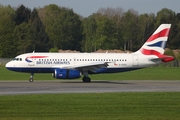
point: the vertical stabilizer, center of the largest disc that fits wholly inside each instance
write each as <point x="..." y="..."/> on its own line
<point x="156" y="44"/>
<point x="157" y="41"/>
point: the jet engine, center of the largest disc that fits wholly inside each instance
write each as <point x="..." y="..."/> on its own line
<point x="66" y="74"/>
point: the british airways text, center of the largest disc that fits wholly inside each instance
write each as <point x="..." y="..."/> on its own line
<point x="52" y="62"/>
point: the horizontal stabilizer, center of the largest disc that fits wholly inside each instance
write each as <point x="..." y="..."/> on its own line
<point x="163" y="58"/>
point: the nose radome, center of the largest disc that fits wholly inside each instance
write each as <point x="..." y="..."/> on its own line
<point x="8" y="65"/>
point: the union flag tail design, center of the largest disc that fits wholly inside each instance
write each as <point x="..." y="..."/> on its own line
<point x="156" y="43"/>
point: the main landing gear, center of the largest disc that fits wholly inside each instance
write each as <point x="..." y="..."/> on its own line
<point x="86" y="78"/>
<point x="31" y="77"/>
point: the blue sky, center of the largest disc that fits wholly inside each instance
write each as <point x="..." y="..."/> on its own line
<point x="87" y="7"/>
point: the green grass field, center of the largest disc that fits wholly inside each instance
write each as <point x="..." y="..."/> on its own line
<point x="152" y="73"/>
<point x="94" y="106"/>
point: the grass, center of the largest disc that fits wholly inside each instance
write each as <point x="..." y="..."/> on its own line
<point x="152" y="73"/>
<point x="94" y="106"/>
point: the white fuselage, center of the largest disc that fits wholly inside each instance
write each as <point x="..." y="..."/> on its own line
<point x="47" y="62"/>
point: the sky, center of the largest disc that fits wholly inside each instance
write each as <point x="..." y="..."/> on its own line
<point x="88" y="7"/>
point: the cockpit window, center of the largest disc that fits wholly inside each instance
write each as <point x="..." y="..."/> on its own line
<point x="17" y="59"/>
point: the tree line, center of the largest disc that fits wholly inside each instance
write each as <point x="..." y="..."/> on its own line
<point x="53" y="27"/>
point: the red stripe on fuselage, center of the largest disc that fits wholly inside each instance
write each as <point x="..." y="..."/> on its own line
<point x="38" y="57"/>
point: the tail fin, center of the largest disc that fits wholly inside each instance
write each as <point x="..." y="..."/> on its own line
<point x="156" y="43"/>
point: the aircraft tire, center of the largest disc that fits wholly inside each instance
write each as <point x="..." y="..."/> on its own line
<point x="31" y="80"/>
<point x="86" y="79"/>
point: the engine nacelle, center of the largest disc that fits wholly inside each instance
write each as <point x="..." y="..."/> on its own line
<point x="66" y="74"/>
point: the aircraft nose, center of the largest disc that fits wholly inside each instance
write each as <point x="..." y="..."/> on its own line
<point x="8" y="65"/>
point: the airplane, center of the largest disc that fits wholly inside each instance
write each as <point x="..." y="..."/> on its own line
<point x="75" y="65"/>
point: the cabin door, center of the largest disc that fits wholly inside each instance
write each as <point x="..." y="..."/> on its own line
<point x="135" y="60"/>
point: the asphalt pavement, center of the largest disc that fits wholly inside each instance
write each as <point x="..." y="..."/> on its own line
<point x="102" y="86"/>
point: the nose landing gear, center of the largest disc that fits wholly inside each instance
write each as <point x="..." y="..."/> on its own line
<point x="31" y="77"/>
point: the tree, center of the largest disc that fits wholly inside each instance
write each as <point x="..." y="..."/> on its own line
<point x="106" y="34"/>
<point x="164" y="16"/>
<point x="24" y="34"/>
<point x="41" y="39"/>
<point x="114" y="14"/>
<point x="146" y="27"/>
<point x="7" y="47"/>
<point x="89" y="34"/>
<point x="63" y="27"/>
<point x="130" y="30"/>
<point x="22" y="14"/>
<point x="174" y="41"/>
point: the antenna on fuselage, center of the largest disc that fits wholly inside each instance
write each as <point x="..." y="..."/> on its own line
<point x="33" y="51"/>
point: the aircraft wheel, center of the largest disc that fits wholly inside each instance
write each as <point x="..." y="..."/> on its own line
<point x="31" y="80"/>
<point x="86" y="79"/>
<point x="31" y="77"/>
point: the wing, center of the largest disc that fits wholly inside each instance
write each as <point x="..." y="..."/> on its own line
<point x="93" y="67"/>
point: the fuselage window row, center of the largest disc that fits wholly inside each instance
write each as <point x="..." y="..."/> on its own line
<point x="107" y="60"/>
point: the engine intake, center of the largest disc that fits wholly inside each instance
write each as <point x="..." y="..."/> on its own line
<point x="66" y="74"/>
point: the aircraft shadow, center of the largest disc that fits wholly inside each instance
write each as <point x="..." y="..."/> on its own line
<point x="98" y="81"/>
